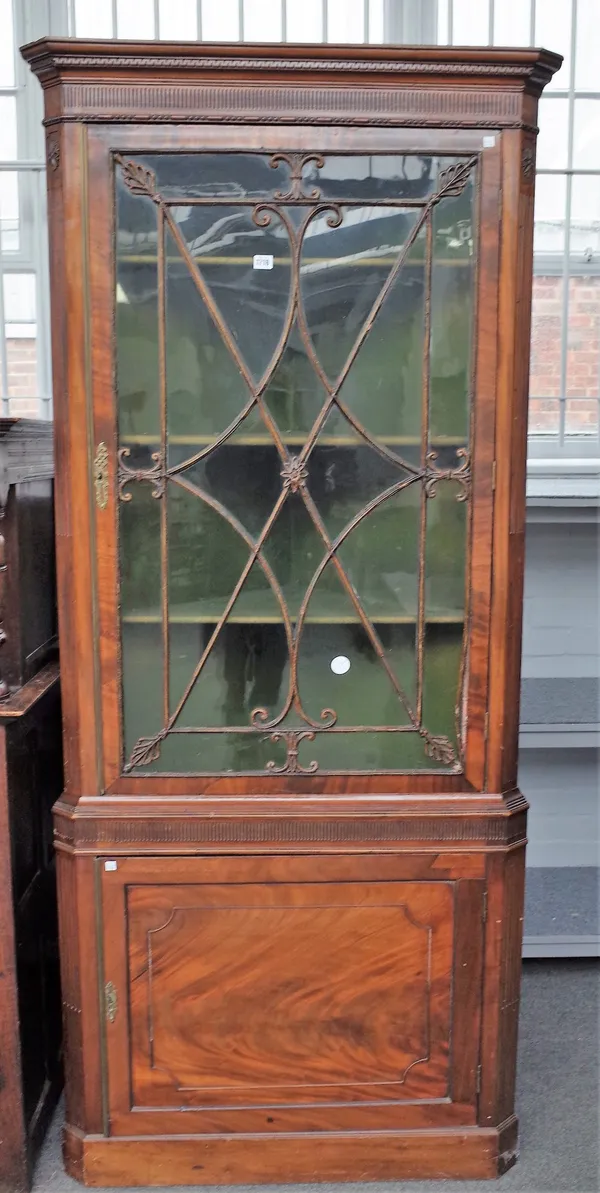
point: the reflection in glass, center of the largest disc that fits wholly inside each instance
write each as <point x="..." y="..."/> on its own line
<point x="451" y="317"/>
<point x="251" y="302"/>
<point x="136" y="314"/>
<point x="296" y="519"/>
<point x="343" y="270"/>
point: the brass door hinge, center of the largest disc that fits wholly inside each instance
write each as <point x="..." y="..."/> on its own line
<point x="484" y="908"/>
<point x="494" y="476"/>
<point x="110" y="1002"/>
<point x="486" y="726"/>
<point x="478" y="1080"/>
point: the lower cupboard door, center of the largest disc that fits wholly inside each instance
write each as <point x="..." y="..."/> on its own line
<point x="254" y="994"/>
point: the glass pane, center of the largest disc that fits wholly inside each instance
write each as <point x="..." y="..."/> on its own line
<point x="178" y="22"/>
<point x="135" y="18"/>
<point x="343" y="271"/>
<point x="583" y="346"/>
<point x="304" y="22"/>
<point x="199" y="753"/>
<point x="8" y="128"/>
<point x="247" y="462"/>
<point x="140" y="597"/>
<point x="581" y="418"/>
<point x="586" y="135"/>
<point x="445" y="556"/>
<point x="7" y="44"/>
<point x="247" y="669"/>
<point x="378" y="176"/>
<point x="585" y="217"/>
<point x="262" y="20"/>
<point x="223" y="245"/>
<point x="93" y="20"/>
<point x="21" y="360"/>
<point x="195" y="355"/>
<point x="546" y="340"/>
<point x="390" y="361"/>
<point x="451" y="318"/>
<point x="544" y="417"/>
<point x="276" y="555"/>
<point x="512" y="23"/>
<point x="19" y="297"/>
<point x="553" y="120"/>
<point x="553" y="30"/>
<point x="232" y="176"/>
<point x="9" y="212"/>
<point x="550" y="213"/>
<point x="443" y="649"/>
<point x="345" y="21"/>
<point x="137" y="316"/>
<point x="362" y="694"/>
<point x="367" y="752"/>
<point x="470" y="23"/>
<point x="295" y="395"/>
<point x="588" y="46"/>
<point x="220" y="20"/>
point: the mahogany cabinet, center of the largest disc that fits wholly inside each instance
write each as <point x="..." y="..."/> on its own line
<point x="291" y="291"/>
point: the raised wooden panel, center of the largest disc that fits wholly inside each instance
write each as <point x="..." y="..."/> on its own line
<point x="276" y="995"/>
<point x="291" y="993"/>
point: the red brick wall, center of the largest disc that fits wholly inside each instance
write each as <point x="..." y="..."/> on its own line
<point x="583" y="356"/>
<point x="21" y="358"/>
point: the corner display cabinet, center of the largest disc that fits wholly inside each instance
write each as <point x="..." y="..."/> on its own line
<point x="291" y="294"/>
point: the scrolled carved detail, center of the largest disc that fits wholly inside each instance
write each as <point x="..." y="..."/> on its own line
<point x="296" y="163"/>
<point x="155" y="474"/>
<point x="291" y="766"/>
<point x="461" y="474"/>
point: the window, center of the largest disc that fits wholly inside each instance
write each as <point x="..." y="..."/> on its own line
<point x="565" y="356"/>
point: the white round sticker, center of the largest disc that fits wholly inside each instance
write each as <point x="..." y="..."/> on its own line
<point x="340" y="665"/>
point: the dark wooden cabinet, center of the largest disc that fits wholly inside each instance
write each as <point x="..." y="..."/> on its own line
<point x="291" y="291"/>
<point x="30" y="782"/>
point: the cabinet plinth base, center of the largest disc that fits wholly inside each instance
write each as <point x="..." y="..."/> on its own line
<point x="462" y="1154"/>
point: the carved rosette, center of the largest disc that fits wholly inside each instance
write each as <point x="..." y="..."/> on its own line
<point x="294" y="474"/>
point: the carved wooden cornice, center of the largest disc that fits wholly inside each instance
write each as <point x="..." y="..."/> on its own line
<point x="163" y="82"/>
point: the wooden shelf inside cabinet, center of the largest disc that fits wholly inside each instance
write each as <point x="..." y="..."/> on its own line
<point x="266" y="440"/>
<point x="290" y="853"/>
<point x="199" y="616"/>
<point x="331" y="262"/>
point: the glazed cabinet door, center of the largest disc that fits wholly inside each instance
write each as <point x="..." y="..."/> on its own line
<point x="291" y="993"/>
<point x="299" y="589"/>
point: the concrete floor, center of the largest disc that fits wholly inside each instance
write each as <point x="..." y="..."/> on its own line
<point x="558" y="1098"/>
